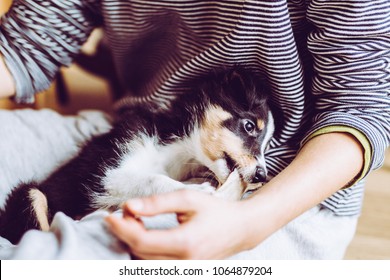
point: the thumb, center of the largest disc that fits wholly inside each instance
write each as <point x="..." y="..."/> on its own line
<point x="174" y="202"/>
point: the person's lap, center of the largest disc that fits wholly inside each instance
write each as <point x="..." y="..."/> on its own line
<point x="33" y="143"/>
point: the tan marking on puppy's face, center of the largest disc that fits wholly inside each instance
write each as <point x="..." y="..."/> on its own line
<point x="260" y="124"/>
<point x="213" y="133"/>
<point x="39" y="204"/>
<point x="218" y="140"/>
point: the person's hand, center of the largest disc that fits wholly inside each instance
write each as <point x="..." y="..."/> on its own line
<point x="210" y="228"/>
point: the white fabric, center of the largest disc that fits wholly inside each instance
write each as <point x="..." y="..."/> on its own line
<point x="33" y="143"/>
<point x="317" y="234"/>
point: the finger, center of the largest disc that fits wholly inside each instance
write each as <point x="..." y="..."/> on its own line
<point x="178" y="202"/>
<point x="128" y="213"/>
<point x="130" y="231"/>
<point x="183" y="218"/>
<point x="121" y="227"/>
<point x="141" y="241"/>
<point x="143" y="256"/>
<point x="161" y="244"/>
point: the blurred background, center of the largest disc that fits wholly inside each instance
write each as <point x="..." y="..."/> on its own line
<point x="83" y="85"/>
<point x="76" y="87"/>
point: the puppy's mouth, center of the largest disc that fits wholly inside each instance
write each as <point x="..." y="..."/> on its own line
<point x="216" y="176"/>
<point x="245" y="173"/>
<point x="230" y="162"/>
<point x="203" y="174"/>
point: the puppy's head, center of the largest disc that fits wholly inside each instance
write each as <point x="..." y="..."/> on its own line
<point x="236" y="127"/>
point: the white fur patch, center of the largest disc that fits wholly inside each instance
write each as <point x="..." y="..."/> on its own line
<point x="269" y="133"/>
<point x="270" y="129"/>
<point x="149" y="168"/>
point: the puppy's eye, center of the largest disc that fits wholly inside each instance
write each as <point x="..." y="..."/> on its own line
<point x="249" y="126"/>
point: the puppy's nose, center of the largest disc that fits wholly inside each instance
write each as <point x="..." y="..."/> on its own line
<point x="260" y="175"/>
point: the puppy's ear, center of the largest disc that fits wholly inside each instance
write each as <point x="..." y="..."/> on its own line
<point x="247" y="89"/>
<point x="235" y="86"/>
<point x="236" y="83"/>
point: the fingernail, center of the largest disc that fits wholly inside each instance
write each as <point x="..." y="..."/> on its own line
<point x="109" y="219"/>
<point x="135" y="204"/>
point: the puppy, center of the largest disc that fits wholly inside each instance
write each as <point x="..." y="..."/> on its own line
<point x="216" y="132"/>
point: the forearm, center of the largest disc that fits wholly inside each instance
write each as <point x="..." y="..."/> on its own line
<point x="7" y="87"/>
<point x="323" y="166"/>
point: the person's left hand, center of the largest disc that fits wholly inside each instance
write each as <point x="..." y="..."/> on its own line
<point x="210" y="228"/>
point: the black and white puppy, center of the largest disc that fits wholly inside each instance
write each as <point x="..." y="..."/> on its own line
<point x="220" y="127"/>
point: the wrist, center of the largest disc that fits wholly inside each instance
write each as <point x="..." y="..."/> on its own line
<point x="7" y="88"/>
<point x="256" y="221"/>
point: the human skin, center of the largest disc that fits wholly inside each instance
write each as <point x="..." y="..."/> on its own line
<point x="212" y="228"/>
<point x="7" y="88"/>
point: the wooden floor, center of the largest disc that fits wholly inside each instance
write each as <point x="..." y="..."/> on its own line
<point x="372" y="239"/>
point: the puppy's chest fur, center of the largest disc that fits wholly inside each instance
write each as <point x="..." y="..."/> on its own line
<point x="147" y="165"/>
<point x="148" y="155"/>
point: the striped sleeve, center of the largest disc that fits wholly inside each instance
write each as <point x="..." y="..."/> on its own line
<point x="351" y="84"/>
<point x="37" y="37"/>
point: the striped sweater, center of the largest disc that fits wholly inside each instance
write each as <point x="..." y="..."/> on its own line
<point x="327" y="61"/>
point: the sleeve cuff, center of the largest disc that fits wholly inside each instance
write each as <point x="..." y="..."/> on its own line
<point x="363" y="140"/>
